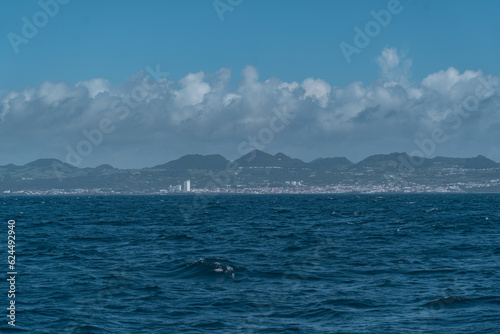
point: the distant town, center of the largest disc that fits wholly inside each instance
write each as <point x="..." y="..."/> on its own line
<point x="257" y="173"/>
<point x="460" y="187"/>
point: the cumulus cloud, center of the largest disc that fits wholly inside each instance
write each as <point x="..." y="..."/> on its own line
<point x="193" y="90"/>
<point x="153" y="121"/>
<point x="317" y="89"/>
<point x="94" y="86"/>
<point x="444" y="81"/>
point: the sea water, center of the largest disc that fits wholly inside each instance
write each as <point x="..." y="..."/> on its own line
<point x="255" y="264"/>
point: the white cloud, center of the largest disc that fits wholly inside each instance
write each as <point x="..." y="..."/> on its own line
<point x="388" y="60"/>
<point x="193" y="90"/>
<point x="317" y="89"/>
<point x="394" y="65"/>
<point x="201" y="114"/>
<point x="291" y="86"/>
<point x="444" y="81"/>
<point x="230" y="98"/>
<point x="52" y="93"/>
<point x="94" y="86"/>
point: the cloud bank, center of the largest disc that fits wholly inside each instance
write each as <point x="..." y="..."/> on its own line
<point x="150" y="119"/>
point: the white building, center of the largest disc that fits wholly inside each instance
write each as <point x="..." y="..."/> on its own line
<point x="186" y="186"/>
<point x="174" y="189"/>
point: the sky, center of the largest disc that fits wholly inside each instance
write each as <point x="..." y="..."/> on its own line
<point x="136" y="84"/>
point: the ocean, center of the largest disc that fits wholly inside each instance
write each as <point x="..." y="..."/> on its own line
<point x="415" y="263"/>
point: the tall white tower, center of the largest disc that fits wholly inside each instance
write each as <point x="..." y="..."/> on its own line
<point x="187" y="186"/>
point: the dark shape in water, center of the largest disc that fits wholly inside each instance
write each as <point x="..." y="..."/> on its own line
<point x="447" y="302"/>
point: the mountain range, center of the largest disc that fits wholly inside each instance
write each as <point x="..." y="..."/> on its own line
<point x="252" y="169"/>
<point x="261" y="159"/>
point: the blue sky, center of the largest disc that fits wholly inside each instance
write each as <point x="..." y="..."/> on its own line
<point x="289" y="40"/>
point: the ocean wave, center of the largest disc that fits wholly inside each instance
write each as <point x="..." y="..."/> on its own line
<point x="207" y="268"/>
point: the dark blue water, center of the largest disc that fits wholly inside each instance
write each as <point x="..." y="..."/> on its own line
<point x="256" y="264"/>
